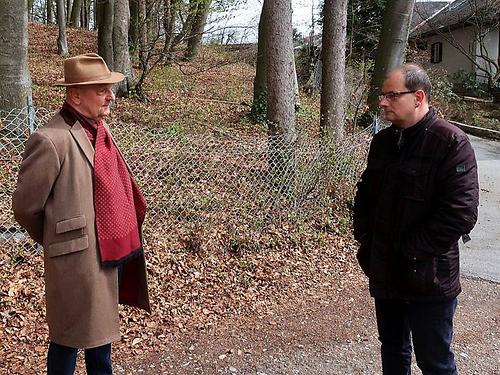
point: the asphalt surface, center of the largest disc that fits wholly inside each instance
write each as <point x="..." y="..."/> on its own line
<point x="481" y="257"/>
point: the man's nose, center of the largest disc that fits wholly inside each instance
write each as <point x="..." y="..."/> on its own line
<point x="383" y="102"/>
<point x="110" y="95"/>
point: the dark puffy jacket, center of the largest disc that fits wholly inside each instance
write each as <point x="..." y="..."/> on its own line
<point x="418" y="195"/>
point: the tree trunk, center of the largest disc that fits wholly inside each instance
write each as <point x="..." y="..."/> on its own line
<point x="133" y="32"/>
<point x="392" y="45"/>
<point x="62" y="44"/>
<point x="30" y="10"/>
<point x="50" y="11"/>
<point x="105" y="19"/>
<point x="122" y="61"/>
<point x="68" y="9"/>
<point x="15" y="81"/>
<point x="170" y="8"/>
<point x="259" y="104"/>
<point x="198" y="26"/>
<point x="280" y="94"/>
<point x="333" y="70"/>
<point x="75" y="13"/>
<point x="188" y="22"/>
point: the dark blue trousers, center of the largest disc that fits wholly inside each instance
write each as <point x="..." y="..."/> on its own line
<point x="61" y="360"/>
<point x="431" y="327"/>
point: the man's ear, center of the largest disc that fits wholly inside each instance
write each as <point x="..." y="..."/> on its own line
<point x="73" y="94"/>
<point x="420" y="97"/>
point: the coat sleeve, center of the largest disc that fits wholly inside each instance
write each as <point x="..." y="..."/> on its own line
<point x="38" y="172"/>
<point x="455" y="204"/>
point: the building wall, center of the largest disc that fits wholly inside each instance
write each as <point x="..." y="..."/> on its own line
<point x="453" y="60"/>
<point x="490" y="42"/>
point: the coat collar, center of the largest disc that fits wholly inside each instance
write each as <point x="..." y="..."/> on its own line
<point x="83" y="141"/>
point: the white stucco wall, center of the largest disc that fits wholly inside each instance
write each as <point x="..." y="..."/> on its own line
<point x="490" y="42"/>
<point x="453" y="60"/>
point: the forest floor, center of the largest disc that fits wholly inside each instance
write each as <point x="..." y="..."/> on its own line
<point x="300" y="307"/>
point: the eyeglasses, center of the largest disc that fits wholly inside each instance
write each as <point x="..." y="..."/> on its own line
<point x="390" y="96"/>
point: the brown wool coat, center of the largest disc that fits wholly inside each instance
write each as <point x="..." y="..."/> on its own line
<point x="53" y="201"/>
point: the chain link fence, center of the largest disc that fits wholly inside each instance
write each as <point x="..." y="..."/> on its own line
<point x="198" y="183"/>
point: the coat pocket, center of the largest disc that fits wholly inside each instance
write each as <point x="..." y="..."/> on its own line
<point x="74" y="223"/>
<point x="70" y="235"/>
<point x="417" y="276"/>
<point x="68" y="247"/>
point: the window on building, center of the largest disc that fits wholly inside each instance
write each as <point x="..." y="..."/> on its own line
<point x="436" y="52"/>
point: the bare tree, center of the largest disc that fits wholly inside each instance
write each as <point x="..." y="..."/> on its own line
<point x="121" y="56"/>
<point x="482" y="20"/>
<point x="199" y="21"/>
<point x="259" y="103"/>
<point x="74" y="19"/>
<point x="280" y="97"/>
<point x="50" y="11"/>
<point x="15" y="81"/>
<point x="333" y="70"/>
<point x="105" y="19"/>
<point x="392" y="46"/>
<point x="62" y="43"/>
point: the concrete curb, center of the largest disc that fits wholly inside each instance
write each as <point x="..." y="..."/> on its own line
<point x="476" y="130"/>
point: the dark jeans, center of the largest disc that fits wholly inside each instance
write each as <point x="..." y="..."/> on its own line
<point x="61" y="360"/>
<point x="431" y="327"/>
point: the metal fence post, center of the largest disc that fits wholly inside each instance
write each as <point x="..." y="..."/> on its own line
<point x="375" y="124"/>
<point x="31" y="114"/>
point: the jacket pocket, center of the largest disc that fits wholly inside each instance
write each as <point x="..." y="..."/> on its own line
<point x="415" y="179"/>
<point x="68" y="247"/>
<point x="74" y="223"/>
<point x="416" y="276"/>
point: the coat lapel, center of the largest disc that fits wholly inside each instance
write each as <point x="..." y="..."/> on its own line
<point x="83" y="141"/>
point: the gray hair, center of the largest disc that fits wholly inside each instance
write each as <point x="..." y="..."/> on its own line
<point x="416" y="78"/>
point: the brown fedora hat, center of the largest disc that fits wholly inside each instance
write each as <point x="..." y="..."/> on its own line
<point x="87" y="69"/>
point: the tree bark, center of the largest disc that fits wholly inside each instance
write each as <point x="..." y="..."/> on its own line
<point x="170" y="8"/>
<point x="50" y="11"/>
<point x="260" y="80"/>
<point x="75" y="13"/>
<point x="105" y="19"/>
<point x="133" y="32"/>
<point x="280" y="95"/>
<point x="30" y="10"/>
<point x="392" y="46"/>
<point x="258" y="113"/>
<point x="197" y="28"/>
<point x="122" y="61"/>
<point x="68" y="9"/>
<point x="333" y="70"/>
<point x="15" y="81"/>
<point x="62" y="43"/>
<point x="280" y="87"/>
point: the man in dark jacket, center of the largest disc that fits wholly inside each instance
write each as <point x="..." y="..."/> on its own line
<point x="418" y="195"/>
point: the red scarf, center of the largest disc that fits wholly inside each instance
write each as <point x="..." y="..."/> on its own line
<point x="119" y="205"/>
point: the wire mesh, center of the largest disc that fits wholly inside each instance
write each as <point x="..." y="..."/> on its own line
<point x="203" y="182"/>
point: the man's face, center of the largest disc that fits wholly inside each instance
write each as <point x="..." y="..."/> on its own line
<point x="94" y="100"/>
<point x="398" y="109"/>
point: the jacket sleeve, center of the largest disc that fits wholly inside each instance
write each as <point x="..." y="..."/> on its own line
<point x="454" y="207"/>
<point x="39" y="170"/>
<point x="361" y="212"/>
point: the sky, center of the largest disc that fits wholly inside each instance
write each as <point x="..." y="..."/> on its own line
<point x="247" y="15"/>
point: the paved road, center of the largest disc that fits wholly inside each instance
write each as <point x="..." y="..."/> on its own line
<point x="481" y="256"/>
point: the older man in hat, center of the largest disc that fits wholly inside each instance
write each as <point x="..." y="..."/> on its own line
<point x="76" y="197"/>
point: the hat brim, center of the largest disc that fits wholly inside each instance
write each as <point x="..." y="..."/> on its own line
<point x="115" y="77"/>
